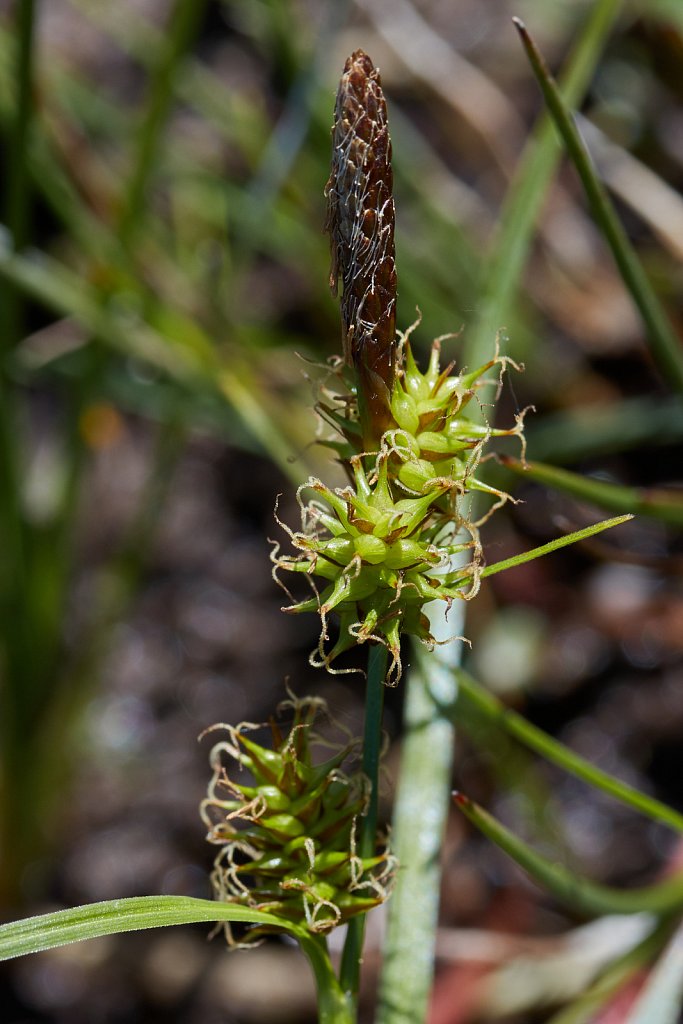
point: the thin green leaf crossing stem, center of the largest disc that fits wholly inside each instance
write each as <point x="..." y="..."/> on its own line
<point x="553" y="545"/>
<point x="485" y="705"/>
<point x="112" y="917"/>
<point x="526" y="193"/>
<point x="583" y="896"/>
<point x="665" y="345"/>
<point x="372" y="743"/>
<point x="667" y="506"/>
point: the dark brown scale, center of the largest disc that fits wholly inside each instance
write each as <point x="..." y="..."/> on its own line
<point x="360" y="220"/>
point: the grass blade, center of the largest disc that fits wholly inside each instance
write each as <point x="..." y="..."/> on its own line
<point x="667" y="506"/>
<point x="527" y="192"/>
<point x="664" y="343"/>
<point x="113" y="916"/>
<point x="581" y="895"/>
<point x="485" y="705"/>
<point x="553" y="545"/>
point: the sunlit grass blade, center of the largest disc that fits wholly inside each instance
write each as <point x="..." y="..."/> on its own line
<point x="581" y="895"/>
<point x="528" y="189"/>
<point x="112" y="917"/>
<point x="667" y="506"/>
<point x="485" y="705"/>
<point x="662" y="997"/>
<point x="665" y="345"/>
<point x="554" y="545"/>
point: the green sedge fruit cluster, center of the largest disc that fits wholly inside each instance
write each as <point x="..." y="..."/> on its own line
<point x="287" y="839"/>
<point x="376" y="551"/>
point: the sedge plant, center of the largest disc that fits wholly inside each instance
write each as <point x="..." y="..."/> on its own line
<point x="299" y="850"/>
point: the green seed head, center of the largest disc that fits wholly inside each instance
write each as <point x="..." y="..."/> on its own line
<point x="288" y="846"/>
<point x="382" y="546"/>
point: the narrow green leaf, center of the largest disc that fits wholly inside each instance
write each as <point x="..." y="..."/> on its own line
<point x="581" y="895"/>
<point x="527" y="191"/>
<point x="554" y="545"/>
<point x="134" y="914"/>
<point x="486" y="705"/>
<point x="113" y="916"/>
<point x="573" y="434"/>
<point x="667" y="506"/>
<point x="665" y="345"/>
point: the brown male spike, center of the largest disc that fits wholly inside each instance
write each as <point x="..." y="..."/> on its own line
<point x="360" y="220"/>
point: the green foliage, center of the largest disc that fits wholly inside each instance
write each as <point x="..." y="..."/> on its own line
<point x="160" y="261"/>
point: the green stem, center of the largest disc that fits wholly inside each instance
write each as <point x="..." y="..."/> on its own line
<point x="664" y="342"/>
<point x="334" y="1007"/>
<point x="349" y="974"/>
<point x="420" y="812"/>
<point x="474" y="699"/>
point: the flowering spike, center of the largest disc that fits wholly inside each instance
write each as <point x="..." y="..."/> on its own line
<point x="383" y="544"/>
<point x="289" y="848"/>
<point x="360" y="220"/>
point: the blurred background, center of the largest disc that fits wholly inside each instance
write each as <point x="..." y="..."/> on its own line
<point x="163" y="302"/>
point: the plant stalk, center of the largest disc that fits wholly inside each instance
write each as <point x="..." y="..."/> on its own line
<point x="349" y="974"/>
<point x="422" y="803"/>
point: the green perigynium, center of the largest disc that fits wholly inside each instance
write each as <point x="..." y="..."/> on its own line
<point x="287" y="838"/>
<point x="377" y="550"/>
